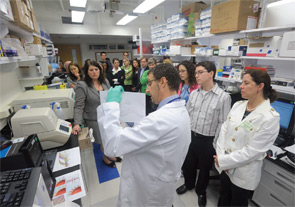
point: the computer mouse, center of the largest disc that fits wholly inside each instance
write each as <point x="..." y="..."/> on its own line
<point x="269" y="153"/>
<point x="5" y="144"/>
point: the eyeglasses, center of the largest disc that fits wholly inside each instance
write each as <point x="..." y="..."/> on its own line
<point x="182" y="71"/>
<point x="149" y="83"/>
<point x="200" y="72"/>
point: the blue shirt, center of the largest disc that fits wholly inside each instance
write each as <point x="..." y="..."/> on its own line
<point x="166" y="100"/>
<point x="185" y="93"/>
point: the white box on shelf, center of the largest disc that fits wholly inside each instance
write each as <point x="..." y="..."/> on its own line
<point x="34" y="49"/>
<point x="288" y="45"/>
<point x="280" y="13"/>
<point x="175" y="49"/>
<point x="5" y="8"/>
<point x="264" y="47"/>
<point x="185" y="50"/>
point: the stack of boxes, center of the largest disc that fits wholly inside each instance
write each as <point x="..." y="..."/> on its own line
<point x="23" y="14"/>
<point x="159" y="32"/>
<point x="177" y="26"/>
<point x="193" y="11"/>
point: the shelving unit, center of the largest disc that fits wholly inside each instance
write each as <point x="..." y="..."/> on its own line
<point x="214" y="39"/>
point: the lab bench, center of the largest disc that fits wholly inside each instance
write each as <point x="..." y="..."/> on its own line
<point x="277" y="185"/>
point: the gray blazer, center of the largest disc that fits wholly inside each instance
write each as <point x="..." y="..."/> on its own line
<point x="86" y="102"/>
<point x="70" y="81"/>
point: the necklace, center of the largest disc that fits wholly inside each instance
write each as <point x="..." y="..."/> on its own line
<point x="254" y="107"/>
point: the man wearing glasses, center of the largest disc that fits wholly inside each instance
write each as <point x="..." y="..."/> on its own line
<point x="208" y="107"/>
<point x="155" y="148"/>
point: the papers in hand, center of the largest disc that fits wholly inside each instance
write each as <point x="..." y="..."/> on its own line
<point x="132" y="106"/>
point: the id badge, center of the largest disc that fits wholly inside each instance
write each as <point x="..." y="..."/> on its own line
<point x="247" y="126"/>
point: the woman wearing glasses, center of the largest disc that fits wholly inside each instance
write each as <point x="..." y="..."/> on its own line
<point x="188" y="82"/>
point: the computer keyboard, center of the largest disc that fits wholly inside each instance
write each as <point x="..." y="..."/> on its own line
<point x="15" y="187"/>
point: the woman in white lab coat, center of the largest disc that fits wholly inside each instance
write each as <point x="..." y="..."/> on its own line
<point x="249" y="131"/>
<point x="154" y="150"/>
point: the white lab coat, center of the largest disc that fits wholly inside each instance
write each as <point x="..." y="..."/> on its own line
<point x="154" y="151"/>
<point x="246" y="145"/>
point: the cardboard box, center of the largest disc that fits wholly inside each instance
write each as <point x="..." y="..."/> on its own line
<point x="193" y="48"/>
<point x="233" y="15"/>
<point x="37" y="40"/>
<point x="84" y="139"/>
<point x="19" y="14"/>
<point x="194" y="7"/>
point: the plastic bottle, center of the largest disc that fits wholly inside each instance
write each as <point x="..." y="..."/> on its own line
<point x="59" y="112"/>
<point x="26" y="106"/>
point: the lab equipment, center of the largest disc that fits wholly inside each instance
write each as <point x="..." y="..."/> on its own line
<point x="43" y="98"/>
<point x="23" y="154"/>
<point x="52" y="132"/>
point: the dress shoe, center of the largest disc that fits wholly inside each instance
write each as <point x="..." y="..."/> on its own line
<point x="202" y="200"/>
<point x="181" y="190"/>
<point x="118" y="159"/>
<point x="111" y="164"/>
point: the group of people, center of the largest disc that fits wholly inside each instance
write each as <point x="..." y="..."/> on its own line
<point x="189" y="126"/>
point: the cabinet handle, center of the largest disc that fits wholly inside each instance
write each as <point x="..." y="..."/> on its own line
<point x="274" y="197"/>
<point x="283" y="176"/>
<point x="282" y="186"/>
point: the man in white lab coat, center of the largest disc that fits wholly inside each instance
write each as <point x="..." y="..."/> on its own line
<point x="154" y="150"/>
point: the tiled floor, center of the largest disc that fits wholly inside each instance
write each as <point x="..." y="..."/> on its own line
<point x="106" y="194"/>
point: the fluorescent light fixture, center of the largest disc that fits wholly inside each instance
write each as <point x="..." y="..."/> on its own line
<point x="78" y="16"/>
<point x="147" y="5"/>
<point x="126" y="19"/>
<point x="78" y="3"/>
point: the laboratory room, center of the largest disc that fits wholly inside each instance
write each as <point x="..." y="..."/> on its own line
<point x="147" y="103"/>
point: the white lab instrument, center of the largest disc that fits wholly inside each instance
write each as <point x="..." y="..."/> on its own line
<point x="43" y="98"/>
<point x="52" y="132"/>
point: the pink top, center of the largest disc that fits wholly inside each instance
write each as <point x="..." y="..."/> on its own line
<point x="192" y="88"/>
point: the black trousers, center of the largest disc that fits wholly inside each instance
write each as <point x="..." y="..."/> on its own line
<point x="128" y="88"/>
<point x="232" y="195"/>
<point x="199" y="156"/>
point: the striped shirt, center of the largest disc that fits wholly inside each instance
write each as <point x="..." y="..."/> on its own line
<point x="208" y="110"/>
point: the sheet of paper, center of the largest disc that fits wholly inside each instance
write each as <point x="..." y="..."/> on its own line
<point x="68" y="187"/>
<point x="67" y="158"/>
<point x="132" y="106"/>
<point x="291" y="149"/>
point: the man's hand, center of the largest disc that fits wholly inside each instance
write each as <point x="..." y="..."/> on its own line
<point x="115" y="94"/>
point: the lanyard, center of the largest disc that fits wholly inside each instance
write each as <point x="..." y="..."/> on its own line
<point x="174" y="100"/>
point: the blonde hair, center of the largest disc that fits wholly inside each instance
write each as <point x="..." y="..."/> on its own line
<point x="168" y="61"/>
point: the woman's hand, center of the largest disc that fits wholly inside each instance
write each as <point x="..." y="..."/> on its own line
<point x="216" y="160"/>
<point x="76" y="129"/>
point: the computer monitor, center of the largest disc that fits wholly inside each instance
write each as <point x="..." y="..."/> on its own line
<point x="286" y="110"/>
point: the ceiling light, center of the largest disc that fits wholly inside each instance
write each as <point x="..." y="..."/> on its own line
<point x="147" y="5"/>
<point x="78" y="3"/>
<point x="78" y="16"/>
<point x="126" y="19"/>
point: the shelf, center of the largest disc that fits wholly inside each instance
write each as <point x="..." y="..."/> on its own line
<point x="270" y="31"/>
<point x="268" y="58"/>
<point x="161" y="42"/>
<point x="32" y="78"/>
<point x="6" y="60"/>
<point x="228" y="80"/>
<point x="280" y="89"/>
<point x="43" y="38"/>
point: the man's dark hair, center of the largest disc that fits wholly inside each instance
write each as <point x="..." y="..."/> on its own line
<point x="103" y="52"/>
<point x="169" y="72"/>
<point x="209" y="66"/>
